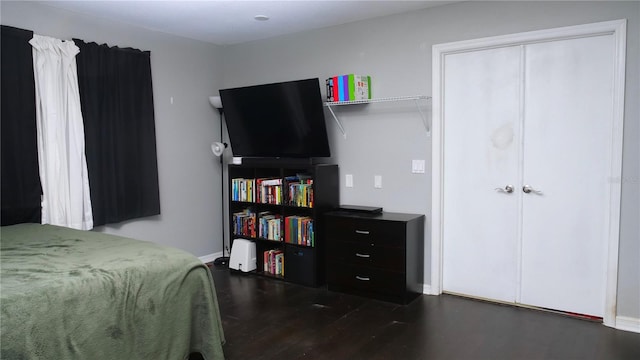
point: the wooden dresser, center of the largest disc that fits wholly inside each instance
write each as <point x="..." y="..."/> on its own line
<point x="375" y="255"/>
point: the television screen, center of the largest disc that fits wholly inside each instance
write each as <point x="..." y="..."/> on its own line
<point x="283" y="120"/>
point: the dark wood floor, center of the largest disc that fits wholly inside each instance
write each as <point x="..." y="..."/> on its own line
<point x="271" y="319"/>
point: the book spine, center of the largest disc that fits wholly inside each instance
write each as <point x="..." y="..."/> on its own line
<point x="340" y="88"/>
<point x="273" y="261"/>
<point x="276" y="229"/>
<point x="329" y="83"/>
<point x="279" y="229"/>
<point x="287" y="232"/>
<point x="265" y="261"/>
<point x="282" y="264"/>
<point x="335" y="89"/>
<point x="345" y="89"/>
<point x="309" y="232"/>
<point x="234" y="190"/>
<point x="305" y="223"/>
<point x="352" y="86"/>
<point x="326" y="82"/>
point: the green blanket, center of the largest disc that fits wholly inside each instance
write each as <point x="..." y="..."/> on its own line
<point x="71" y="294"/>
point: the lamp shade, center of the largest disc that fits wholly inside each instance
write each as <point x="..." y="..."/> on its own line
<point x="217" y="148"/>
<point x="216" y="102"/>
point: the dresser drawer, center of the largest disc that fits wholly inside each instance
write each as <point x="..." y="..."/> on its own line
<point x="363" y="279"/>
<point x="366" y="255"/>
<point x="368" y="231"/>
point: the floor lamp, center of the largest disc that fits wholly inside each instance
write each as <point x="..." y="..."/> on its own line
<point x="217" y="148"/>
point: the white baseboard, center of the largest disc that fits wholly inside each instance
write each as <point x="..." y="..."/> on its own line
<point x="628" y="324"/>
<point x="209" y="258"/>
<point x="623" y="323"/>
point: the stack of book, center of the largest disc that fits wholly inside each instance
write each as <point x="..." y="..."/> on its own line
<point x="273" y="262"/>
<point x="299" y="230"/>
<point x="269" y="191"/>
<point x="244" y="223"/>
<point x="300" y="190"/>
<point x="243" y="189"/>
<point x="348" y="87"/>
<point x="269" y="226"/>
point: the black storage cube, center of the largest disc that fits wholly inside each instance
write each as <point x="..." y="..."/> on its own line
<point x="299" y="265"/>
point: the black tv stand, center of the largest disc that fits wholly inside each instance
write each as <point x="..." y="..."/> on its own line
<point x="279" y="161"/>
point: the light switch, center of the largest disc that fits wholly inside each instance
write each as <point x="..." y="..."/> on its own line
<point x="417" y="166"/>
<point x="348" y="179"/>
<point x="377" y="182"/>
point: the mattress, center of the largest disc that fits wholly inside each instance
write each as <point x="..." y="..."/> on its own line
<point x="72" y="294"/>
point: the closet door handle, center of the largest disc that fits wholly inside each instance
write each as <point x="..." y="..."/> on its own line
<point x="507" y="189"/>
<point x="363" y="255"/>
<point x="363" y="232"/>
<point x="362" y="278"/>
<point x="528" y="189"/>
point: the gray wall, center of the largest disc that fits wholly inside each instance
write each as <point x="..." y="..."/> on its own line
<point x="382" y="139"/>
<point x="186" y="70"/>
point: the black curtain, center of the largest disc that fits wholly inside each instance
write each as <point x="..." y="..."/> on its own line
<point x="20" y="180"/>
<point x="120" y="143"/>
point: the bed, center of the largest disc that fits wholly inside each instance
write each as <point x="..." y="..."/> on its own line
<point x="71" y="294"/>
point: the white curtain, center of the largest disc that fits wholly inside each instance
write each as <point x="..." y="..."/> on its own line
<point x="63" y="167"/>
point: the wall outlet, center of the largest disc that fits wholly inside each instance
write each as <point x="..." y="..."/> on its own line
<point x="377" y="181"/>
<point x="417" y="166"/>
<point x="348" y="180"/>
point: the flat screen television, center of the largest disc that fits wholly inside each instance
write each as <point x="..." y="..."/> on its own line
<point x="278" y="120"/>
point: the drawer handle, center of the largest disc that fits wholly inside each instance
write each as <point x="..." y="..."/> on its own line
<point x="362" y="278"/>
<point x="363" y="255"/>
<point x="363" y="232"/>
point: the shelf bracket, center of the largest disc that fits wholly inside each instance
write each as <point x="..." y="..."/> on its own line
<point x="344" y="134"/>
<point x="424" y="118"/>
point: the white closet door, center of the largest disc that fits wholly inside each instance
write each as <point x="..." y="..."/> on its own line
<point x="567" y="135"/>
<point x="481" y="144"/>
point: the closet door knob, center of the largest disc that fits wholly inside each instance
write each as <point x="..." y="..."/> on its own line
<point x="507" y="189"/>
<point x="528" y="189"/>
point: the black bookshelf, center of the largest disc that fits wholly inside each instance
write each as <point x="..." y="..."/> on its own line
<point x="303" y="250"/>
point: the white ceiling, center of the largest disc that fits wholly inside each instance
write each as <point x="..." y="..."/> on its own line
<point x="232" y="22"/>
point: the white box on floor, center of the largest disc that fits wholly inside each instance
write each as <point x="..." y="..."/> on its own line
<point x="243" y="255"/>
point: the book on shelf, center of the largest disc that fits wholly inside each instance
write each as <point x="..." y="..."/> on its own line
<point x="340" y="88"/>
<point x="329" y="85"/>
<point x="273" y="262"/>
<point x="269" y="191"/>
<point x="244" y="223"/>
<point x="299" y="190"/>
<point x="261" y="190"/>
<point x="348" y="87"/>
<point x="299" y="230"/>
<point x="243" y="189"/>
<point x="269" y="226"/>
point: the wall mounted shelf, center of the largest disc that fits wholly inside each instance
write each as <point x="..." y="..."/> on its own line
<point x="416" y="98"/>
